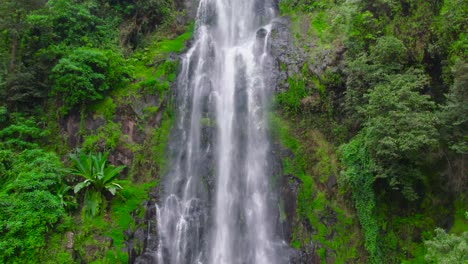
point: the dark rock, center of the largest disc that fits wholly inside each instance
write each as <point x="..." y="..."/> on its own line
<point x="93" y="123"/>
<point x="71" y="128"/>
<point x="289" y="58"/>
<point x="70" y="240"/>
<point x="288" y="192"/>
<point x="261" y="33"/>
<point x="308" y="255"/>
<point x="332" y="182"/>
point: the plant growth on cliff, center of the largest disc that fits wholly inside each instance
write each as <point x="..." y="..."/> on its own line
<point x="99" y="178"/>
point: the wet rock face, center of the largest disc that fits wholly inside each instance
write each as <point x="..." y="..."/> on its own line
<point x="129" y="117"/>
<point x="288" y="58"/>
<point x="306" y="255"/>
<point x="190" y="10"/>
<point x="142" y="248"/>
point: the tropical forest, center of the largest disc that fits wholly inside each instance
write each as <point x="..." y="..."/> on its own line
<point x="234" y="131"/>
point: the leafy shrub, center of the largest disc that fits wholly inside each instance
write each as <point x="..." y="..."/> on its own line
<point x="21" y="133"/>
<point x="75" y="23"/>
<point x="400" y="126"/>
<point x="86" y="74"/>
<point x="389" y="51"/>
<point x="357" y="175"/>
<point x="447" y="248"/>
<point x="99" y="177"/>
<point x="29" y="208"/>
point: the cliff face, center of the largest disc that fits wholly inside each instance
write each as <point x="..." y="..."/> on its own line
<point x="128" y="120"/>
<point x="313" y="47"/>
<point x="316" y="220"/>
<point x="312" y="215"/>
<point x="135" y="123"/>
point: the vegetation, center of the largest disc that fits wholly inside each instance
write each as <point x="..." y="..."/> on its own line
<point x="359" y="178"/>
<point x="447" y="248"/>
<point x="30" y="205"/>
<point x="99" y="177"/>
<point x="93" y="61"/>
<point x="373" y="123"/>
<point x="382" y="81"/>
<point x="85" y="74"/>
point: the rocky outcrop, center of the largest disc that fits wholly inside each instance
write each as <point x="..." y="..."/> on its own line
<point x="289" y="58"/>
<point x="299" y="58"/>
<point x="124" y="124"/>
<point x="142" y="241"/>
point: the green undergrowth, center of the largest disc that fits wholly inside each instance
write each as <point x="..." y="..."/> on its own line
<point x="101" y="239"/>
<point x="123" y="209"/>
<point x="291" y="99"/>
<point x="318" y="25"/>
<point x="153" y="73"/>
<point x="113" y="224"/>
<point x="460" y="223"/>
<point x="154" y="70"/>
<point x="152" y="159"/>
<point x="331" y="227"/>
<point x="360" y="180"/>
<point x="417" y="252"/>
<point x="160" y="141"/>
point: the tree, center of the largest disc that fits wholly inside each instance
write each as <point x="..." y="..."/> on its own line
<point x="23" y="90"/>
<point x="143" y="17"/>
<point x="29" y="208"/>
<point x="454" y="114"/>
<point x="21" y="133"/>
<point x="99" y="177"/>
<point x="387" y="57"/>
<point x="389" y="53"/>
<point x="75" y="24"/>
<point x="86" y="74"/>
<point x="452" y="28"/>
<point x="12" y="18"/>
<point x="400" y="126"/>
<point x="447" y="248"/>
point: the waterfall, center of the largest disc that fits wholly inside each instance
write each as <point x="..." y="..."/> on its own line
<point x="217" y="205"/>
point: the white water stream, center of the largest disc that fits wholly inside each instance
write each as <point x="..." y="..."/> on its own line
<point x="216" y="208"/>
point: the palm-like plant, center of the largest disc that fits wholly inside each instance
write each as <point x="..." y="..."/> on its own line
<point x="99" y="177"/>
<point x="67" y="201"/>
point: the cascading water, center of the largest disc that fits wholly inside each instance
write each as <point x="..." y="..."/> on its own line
<point x="217" y="207"/>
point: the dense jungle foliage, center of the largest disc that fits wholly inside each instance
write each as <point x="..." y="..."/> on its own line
<point x="386" y="83"/>
<point x="381" y="103"/>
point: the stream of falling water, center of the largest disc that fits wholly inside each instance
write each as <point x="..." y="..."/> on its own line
<point x="217" y="207"/>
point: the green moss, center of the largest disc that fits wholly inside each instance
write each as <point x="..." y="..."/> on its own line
<point x="177" y="44"/>
<point x="319" y="24"/>
<point x="290" y="100"/>
<point x="160" y="140"/>
<point x="105" y="108"/>
<point x="460" y="223"/>
<point x="56" y="246"/>
<point x="311" y="158"/>
<point x="322" y="254"/>
<point x="121" y="215"/>
<point x="150" y="110"/>
<point x="206" y="122"/>
<point x="108" y="136"/>
<point x="153" y="72"/>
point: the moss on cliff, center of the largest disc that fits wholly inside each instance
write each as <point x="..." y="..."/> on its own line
<point x="323" y="217"/>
